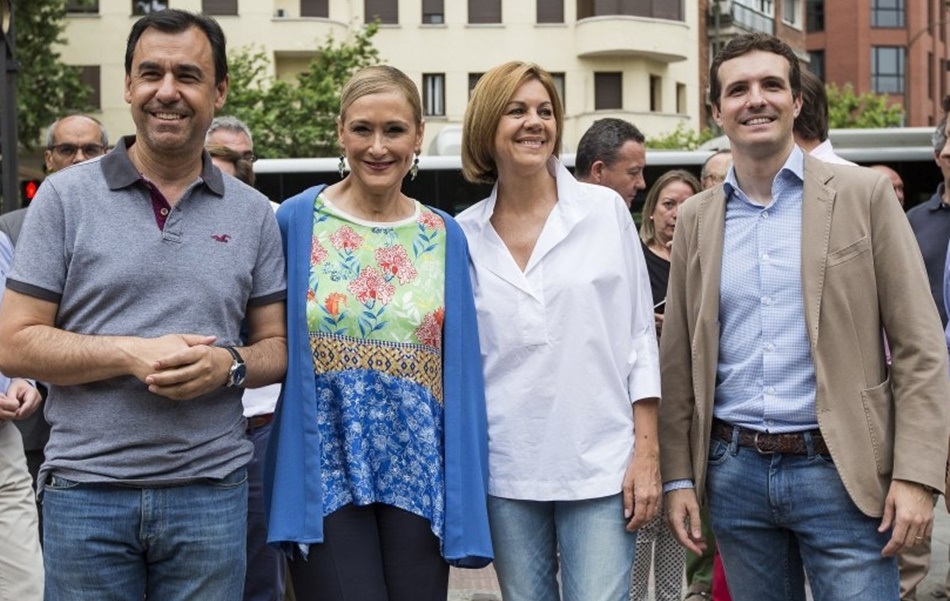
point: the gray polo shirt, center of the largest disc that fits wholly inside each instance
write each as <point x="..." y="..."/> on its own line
<point x="92" y="244"/>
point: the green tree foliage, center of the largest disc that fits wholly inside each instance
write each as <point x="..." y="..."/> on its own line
<point x="45" y="86"/>
<point x="846" y="109"/>
<point x="298" y="118"/>
<point x="681" y="138"/>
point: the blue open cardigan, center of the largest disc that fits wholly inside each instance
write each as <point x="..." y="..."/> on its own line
<point x="292" y="480"/>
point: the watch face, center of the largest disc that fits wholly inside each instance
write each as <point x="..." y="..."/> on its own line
<point x="238" y="373"/>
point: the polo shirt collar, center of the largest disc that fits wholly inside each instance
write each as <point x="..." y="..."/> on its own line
<point x="120" y="173"/>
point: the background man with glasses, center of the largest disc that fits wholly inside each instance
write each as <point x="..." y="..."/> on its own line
<point x="74" y="139"/>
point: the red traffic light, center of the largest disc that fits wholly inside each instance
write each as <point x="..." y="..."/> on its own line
<point x="29" y="188"/>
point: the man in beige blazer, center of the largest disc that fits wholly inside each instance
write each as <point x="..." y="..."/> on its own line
<point x="779" y="410"/>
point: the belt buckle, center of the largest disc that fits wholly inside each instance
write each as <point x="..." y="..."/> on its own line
<point x="760" y="450"/>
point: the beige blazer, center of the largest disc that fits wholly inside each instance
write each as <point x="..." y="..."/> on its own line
<point x="861" y="273"/>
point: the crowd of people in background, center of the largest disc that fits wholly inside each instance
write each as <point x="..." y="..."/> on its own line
<point x="745" y="400"/>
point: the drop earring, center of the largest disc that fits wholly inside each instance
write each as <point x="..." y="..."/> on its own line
<point x="414" y="170"/>
<point x="342" y="167"/>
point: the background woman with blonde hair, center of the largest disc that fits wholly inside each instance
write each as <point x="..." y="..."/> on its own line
<point x="377" y="461"/>
<point x="568" y="347"/>
<point x="668" y="192"/>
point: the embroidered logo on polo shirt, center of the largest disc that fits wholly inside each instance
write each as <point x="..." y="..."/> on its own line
<point x="221" y="237"/>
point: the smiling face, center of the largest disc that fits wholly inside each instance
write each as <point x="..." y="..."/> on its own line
<point x="756" y="109"/>
<point x="380" y="138"/>
<point x="667" y="207"/>
<point x="527" y="131"/>
<point x="172" y="92"/>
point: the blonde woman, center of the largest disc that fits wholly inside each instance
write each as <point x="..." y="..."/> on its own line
<point x="378" y="456"/>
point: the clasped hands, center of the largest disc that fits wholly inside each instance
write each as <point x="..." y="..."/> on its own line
<point x="179" y="366"/>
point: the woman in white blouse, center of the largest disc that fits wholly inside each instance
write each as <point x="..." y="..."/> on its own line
<point x="569" y="349"/>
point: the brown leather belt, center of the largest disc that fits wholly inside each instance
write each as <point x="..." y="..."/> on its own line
<point x="258" y="421"/>
<point x="792" y="443"/>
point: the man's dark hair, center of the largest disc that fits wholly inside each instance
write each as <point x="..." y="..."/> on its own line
<point x="602" y="142"/>
<point x="172" y="20"/>
<point x="745" y="44"/>
<point x="812" y="121"/>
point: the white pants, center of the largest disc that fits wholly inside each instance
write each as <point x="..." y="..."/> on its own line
<point x="21" y="559"/>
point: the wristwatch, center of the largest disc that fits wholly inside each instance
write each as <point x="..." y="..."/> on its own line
<point x="238" y="370"/>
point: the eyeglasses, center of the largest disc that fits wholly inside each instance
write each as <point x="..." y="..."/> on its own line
<point x="249" y="156"/>
<point x="68" y="151"/>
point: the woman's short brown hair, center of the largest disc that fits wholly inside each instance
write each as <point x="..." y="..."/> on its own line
<point x="485" y="108"/>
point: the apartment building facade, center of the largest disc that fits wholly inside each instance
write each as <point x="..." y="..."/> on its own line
<point x="893" y="47"/>
<point x="634" y="59"/>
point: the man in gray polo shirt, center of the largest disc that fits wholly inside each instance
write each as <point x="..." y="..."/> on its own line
<point x="132" y="276"/>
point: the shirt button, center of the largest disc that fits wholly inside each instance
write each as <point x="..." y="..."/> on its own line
<point x="765" y="257"/>
<point x="764" y="215"/>
<point x="770" y="347"/>
<point x="163" y="211"/>
<point x="770" y="390"/>
<point x="767" y="301"/>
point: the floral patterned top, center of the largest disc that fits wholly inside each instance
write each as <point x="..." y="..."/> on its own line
<point x="375" y="307"/>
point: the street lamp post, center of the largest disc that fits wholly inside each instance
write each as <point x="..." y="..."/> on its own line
<point x="8" y="133"/>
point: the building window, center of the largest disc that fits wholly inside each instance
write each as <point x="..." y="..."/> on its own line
<point x="608" y="91"/>
<point x="315" y="8"/>
<point x="655" y="9"/>
<point x="484" y="11"/>
<point x="681" y="99"/>
<point x="817" y="64"/>
<point x="815" y="15"/>
<point x="472" y="81"/>
<point x="219" y="7"/>
<point x="550" y="11"/>
<point x="559" y="86"/>
<point x="887" y="13"/>
<point x="143" y="7"/>
<point x="433" y="94"/>
<point x="89" y="7"/>
<point x="89" y="77"/>
<point x="887" y="69"/>
<point x="930" y="75"/>
<point x="433" y="12"/>
<point x="792" y="12"/>
<point x="387" y="11"/>
<point x="656" y="94"/>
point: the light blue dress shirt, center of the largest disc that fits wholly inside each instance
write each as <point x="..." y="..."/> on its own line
<point x="765" y="379"/>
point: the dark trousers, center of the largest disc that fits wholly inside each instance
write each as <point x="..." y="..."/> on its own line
<point x="264" y="580"/>
<point x="372" y="553"/>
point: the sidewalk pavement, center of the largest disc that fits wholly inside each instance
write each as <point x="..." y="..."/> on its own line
<point x="481" y="585"/>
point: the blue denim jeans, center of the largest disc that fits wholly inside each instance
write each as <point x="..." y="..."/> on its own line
<point x="777" y="517"/>
<point x="114" y="543"/>
<point x="596" y="552"/>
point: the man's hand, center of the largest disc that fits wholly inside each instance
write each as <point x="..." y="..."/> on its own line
<point x="682" y="511"/>
<point x="908" y="513"/>
<point x="641" y="487"/>
<point x="20" y="400"/>
<point x="181" y="366"/>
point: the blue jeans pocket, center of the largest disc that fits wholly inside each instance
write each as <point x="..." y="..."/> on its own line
<point x="236" y="478"/>
<point x="60" y="483"/>
<point x="718" y="451"/>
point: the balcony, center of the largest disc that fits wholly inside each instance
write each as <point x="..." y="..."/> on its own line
<point x="735" y="18"/>
<point x="620" y="36"/>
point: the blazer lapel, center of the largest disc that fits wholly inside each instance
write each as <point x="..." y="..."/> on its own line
<point x="711" y="224"/>
<point x="817" y="206"/>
